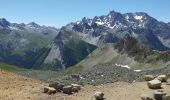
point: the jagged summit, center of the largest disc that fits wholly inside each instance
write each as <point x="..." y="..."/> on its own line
<point x="33" y="24"/>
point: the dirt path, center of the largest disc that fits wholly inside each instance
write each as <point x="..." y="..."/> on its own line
<point x="14" y="87"/>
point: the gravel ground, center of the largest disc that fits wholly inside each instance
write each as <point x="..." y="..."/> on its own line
<point x="102" y="74"/>
<point x="107" y="73"/>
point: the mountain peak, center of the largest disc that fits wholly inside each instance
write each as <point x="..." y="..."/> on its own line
<point x="33" y="24"/>
<point x="112" y="12"/>
<point x="4" y="22"/>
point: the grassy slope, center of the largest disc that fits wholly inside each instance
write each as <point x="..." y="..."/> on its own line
<point x="108" y="54"/>
<point x="36" y="74"/>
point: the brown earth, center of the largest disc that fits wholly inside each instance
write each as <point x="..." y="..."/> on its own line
<point x="14" y="87"/>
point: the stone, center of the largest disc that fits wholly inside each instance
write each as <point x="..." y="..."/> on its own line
<point x="67" y="89"/>
<point x="76" y="87"/>
<point x="49" y="90"/>
<point x="146" y="97"/>
<point x="158" y="95"/>
<point x="75" y="76"/>
<point x="166" y="97"/>
<point x="58" y="86"/>
<point x="162" y="78"/>
<point x="46" y="89"/>
<point x="154" y="84"/>
<point x="149" y="77"/>
<point x="99" y="95"/>
<point x="53" y="84"/>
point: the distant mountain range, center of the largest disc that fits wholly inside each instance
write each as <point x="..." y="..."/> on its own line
<point x="22" y="44"/>
<point x="42" y="47"/>
<point x="104" y="29"/>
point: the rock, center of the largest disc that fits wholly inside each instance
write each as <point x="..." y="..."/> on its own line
<point x="158" y="95"/>
<point x="76" y="87"/>
<point x="154" y="84"/>
<point x="56" y="85"/>
<point x="60" y="86"/>
<point x="99" y="95"/>
<point x="75" y="76"/>
<point x="49" y="90"/>
<point x="46" y="89"/>
<point x="146" y="97"/>
<point x="149" y="77"/>
<point x="168" y="83"/>
<point x="162" y="78"/>
<point x="67" y="89"/>
<point x="166" y="97"/>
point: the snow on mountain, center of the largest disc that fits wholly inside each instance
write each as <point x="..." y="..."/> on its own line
<point x="138" y="17"/>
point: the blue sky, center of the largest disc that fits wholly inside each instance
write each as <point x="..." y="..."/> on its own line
<point x="60" y="12"/>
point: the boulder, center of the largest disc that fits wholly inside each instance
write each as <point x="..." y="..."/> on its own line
<point x="154" y="84"/>
<point x="146" y="97"/>
<point x="53" y="84"/>
<point x="46" y="89"/>
<point x="158" y="95"/>
<point x="162" y="78"/>
<point x="99" y="95"/>
<point x="58" y="86"/>
<point x="67" y="89"/>
<point x="49" y="90"/>
<point x="166" y="97"/>
<point x="149" y="77"/>
<point x="76" y="87"/>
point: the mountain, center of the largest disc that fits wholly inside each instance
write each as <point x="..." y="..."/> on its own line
<point x="110" y="28"/>
<point x="126" y="52"/>
<point x="127" y="60"/>
<point x="48" y="48"/>
<point x="22" y="44"/>
<point x="66" y="50"/>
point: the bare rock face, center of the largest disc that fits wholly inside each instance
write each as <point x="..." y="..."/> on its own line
<point x="158" y="95"/>
<point x="154" y="84"/>
<point x="162" y="78"/>
<point x="99" y="95"/>
<point x="149" y="77"/>
<point x="49" y="90"/>
<point x="146" y="97"/>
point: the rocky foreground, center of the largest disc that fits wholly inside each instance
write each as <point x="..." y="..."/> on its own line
<point x="14" y="87"/>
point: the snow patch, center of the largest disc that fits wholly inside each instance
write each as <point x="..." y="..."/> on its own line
<point x="13" y="28"/>
<point x="124" y="66"/>
<point x="78" y="22"/>
<point x="100" y="23"/>
<point x="137" y="70"/>
<point x="127" y="17"/>
<point x="138" y="17"/>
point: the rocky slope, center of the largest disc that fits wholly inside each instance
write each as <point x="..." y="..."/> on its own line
<point x="22" y="44"/>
